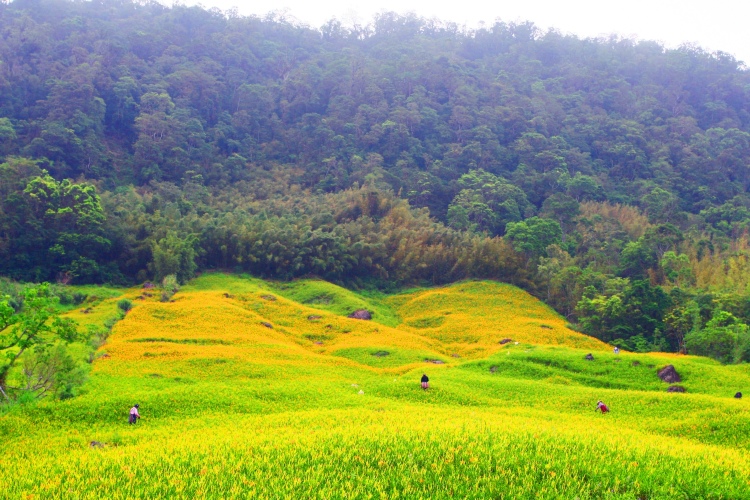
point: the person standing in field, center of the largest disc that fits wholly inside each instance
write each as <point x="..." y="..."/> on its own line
<point x="602" y="407"/>
<point x="134" y="415"/>
<point x="616" y="350"/>
<point x="425" y="382"/>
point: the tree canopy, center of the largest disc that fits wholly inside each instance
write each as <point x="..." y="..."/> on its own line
<point x="139" y="141"/>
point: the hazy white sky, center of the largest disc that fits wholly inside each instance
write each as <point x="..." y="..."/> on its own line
<point x="712" y="24"/>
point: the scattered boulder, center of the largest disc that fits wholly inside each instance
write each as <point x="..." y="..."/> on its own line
<point x="454" y="355"/>
<point x="675" y="388"/>
<point x="361" y="314"/>
<point x="738" y="395"/>
<point x="314" y="317"/>
<point x="589" y="357"/>
<point x="96" y="444"/>
<point x="328" y="327"/>
<point x="493" y="369"/>
<point x="318" y="342"/>
<point x="435" y="361"/>
<point x="546" y="326"/>
<point x="506" y="341"/>
<point x="266" y="324"/>
<point x="636" y="363"/>
<point x="148" y="285"/>
<point x="268" y="297"/>
<point x="146" y="294"/>
<point x="669" y="374"/>
<point x="381" y="354"/>
<point x="228" y="295"/>
<point x="86" y="311"/>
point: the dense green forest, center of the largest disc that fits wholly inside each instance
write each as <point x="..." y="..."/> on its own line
<point x="608" y="177"/>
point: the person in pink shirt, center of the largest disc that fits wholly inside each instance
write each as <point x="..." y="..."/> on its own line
<point x="134" y="415"/>
<point x="602" y="407"/>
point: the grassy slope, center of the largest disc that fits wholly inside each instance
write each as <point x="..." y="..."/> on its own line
<point x="232" y="407"/>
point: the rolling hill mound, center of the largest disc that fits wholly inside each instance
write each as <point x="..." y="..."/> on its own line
<point x="219" y="316"/>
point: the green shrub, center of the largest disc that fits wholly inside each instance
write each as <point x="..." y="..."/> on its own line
<point x="169" y="287"/>
<point x="125" y="305"/>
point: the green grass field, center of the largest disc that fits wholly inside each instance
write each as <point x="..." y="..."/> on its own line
<point x="251" y="389"/>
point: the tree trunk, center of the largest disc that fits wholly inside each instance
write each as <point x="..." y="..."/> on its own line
<point x="3" y="377"/>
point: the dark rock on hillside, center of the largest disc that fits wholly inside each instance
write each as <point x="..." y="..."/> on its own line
<point x="361" y="314"/>
<point x="589" y="357"/>
<point x="96" y="444"/>
<point x="268" y="297"/>
<point x="381" y="354"/>
<point x="314" y="317"/>
<point x="505" y="341"/>
<point x="738" y="395"/>
<point x="493" y="369"/>
<point x="267" y="325"/>
<point x="636" y="363"/>
<point x="669" y="374"/>
<point x="435" y="361"/>
<point x="675" y="388"/>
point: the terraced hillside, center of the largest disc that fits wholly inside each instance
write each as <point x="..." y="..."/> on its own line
<point x="256" y="389"/>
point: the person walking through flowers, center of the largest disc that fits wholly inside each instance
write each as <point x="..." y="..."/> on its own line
<point x="134" y="415"/>
<point x="425" y="382"/>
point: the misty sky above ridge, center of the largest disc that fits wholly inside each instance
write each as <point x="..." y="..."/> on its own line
<point x="718" y="25"/>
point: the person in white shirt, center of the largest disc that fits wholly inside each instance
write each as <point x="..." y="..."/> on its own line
<point x="134" y="415"/>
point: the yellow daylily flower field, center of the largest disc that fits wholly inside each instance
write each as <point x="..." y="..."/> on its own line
<point x="255" y="389"/>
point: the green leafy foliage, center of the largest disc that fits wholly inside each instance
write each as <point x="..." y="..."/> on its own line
<point x="723" y="338"/>
<point x="124" y="305"/>
<point x="533" y="235"/>
<point x="169" y="287"/>
<point x="36" y="337"/>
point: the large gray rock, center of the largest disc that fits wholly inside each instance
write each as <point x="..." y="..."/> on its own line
<point x="361" y="314"/>
<point x="669" y="374"/>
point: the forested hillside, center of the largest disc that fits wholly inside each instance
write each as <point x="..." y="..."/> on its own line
<point x="607" y="177"/>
